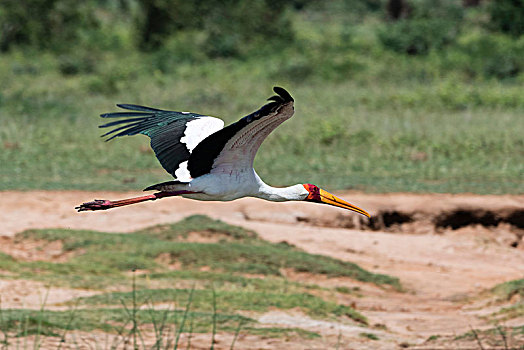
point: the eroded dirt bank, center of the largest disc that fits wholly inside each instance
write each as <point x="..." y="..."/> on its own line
<point x="444" y="248"/>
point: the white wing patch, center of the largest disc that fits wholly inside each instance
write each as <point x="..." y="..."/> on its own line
<point x="196" y="130"/>
<point x="199" y="129"/>
<point x="182" y="174"/>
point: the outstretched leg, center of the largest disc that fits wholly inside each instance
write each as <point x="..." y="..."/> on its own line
<point x="103" y="204"/>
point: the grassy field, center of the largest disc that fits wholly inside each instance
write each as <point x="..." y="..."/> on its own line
<point x="197" y="277"/>
<point x="366" y="118"/>
<point x="211" y="285"/>
<point x="371" y="115"/>
<point x="231" y="250"/>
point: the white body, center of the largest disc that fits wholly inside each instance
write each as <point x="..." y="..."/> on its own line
<point x="227" y="187"/>
<point x="232" y="175"/>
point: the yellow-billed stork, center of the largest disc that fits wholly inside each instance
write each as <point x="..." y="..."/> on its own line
<point x="210" y="162"/>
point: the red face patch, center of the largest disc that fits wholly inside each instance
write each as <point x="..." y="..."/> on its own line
<point x="314" y="192"/>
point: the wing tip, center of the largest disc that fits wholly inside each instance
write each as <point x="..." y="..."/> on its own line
<point x="283" y="94"/>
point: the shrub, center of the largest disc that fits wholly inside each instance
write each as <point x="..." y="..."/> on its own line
<point x="185" y="46"/>
<point x="76" y="63"/>
<point x="245" y="26"/>
<point x="430" y="25"/>
<point x="49" y="24"/>
<point x="507" y="16"/>
<point x="233" y="27"/>
<point x="489" y="55"/>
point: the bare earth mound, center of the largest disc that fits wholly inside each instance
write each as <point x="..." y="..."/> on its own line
<point x="446" y="250"/>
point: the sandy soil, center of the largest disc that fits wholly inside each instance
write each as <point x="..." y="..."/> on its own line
<point x="440" y="267"/>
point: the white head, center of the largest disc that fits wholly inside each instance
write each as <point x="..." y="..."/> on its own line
<point x="306" y="192"/>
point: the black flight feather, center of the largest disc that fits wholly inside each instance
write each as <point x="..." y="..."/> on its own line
<point x="164" y="128"/>
<point x="121" y="121"/>
<point x="283" y="93"/>
<point x="203" y="156"/>
<point x="124" y="114"/>
<point x="138" y="108"/>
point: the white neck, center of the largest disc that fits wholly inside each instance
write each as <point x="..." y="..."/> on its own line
<point x="280" y="194"/>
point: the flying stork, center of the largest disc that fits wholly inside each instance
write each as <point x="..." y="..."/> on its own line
<point x="210" y="162"/>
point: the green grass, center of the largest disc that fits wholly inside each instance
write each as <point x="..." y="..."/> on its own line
<point x="200" y="223"/>
<point x="240" y="272"/>
<point x="493" y="336"/>
<point x="370" y="336"/>
<point x="51" y="323"/>
<point x="508" y="289"/>
<point x="433" y="337"/>
<point x="412" y="128"/>
<point x="243" y="254"/>
<point x="499" y="337"/>
<point x="231" y="301"/>
<point x="508" y="313"/>
<point x="155" y="296"/>
<point x="505" y="292"/>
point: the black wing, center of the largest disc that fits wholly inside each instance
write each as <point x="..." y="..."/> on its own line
<point x="235" y="146"/>
<point x="173" y="135"/>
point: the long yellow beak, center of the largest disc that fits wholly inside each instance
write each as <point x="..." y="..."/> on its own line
<point x="328" y="198"/>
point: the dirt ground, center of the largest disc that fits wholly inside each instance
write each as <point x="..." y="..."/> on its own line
<point x="445" y="249"/>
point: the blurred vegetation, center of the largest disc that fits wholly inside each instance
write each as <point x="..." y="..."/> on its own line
<point x="423" y="26"/>
<point x="392" y="95"/>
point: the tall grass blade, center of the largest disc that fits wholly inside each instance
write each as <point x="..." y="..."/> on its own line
<point x="36" y="344"/>
<point x="503" y="335"/>
<point x="188" y="347"/>
<point x="120" y="330"/>
<point x="5" y="341"/>
<point x="75" y="341"/>
<point x="135" y="345"/>
<point x="19" y="331"/>
<point x="475" y="334"/>
<point x="237" y="332"/>
<point x="68" y="325"/>
<point x="158" y="328"/>
<point x="186" y="311"/>
<point x="214" y="318"/>
<point x="339" y="338"/>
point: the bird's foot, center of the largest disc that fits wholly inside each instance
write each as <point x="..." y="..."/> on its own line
<point x="97" y="204"/>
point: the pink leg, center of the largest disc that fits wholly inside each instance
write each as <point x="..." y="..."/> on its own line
<point x="103" y="204"/>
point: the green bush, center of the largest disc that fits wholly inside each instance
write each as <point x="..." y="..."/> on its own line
<point x="111" y="78"/>
<point x="245" y="27"/>
<point x="76" y="62"/>
<point x="158" y="19"/>
<point x="430" y="25"/>
<point x="184" y="46"/>
<point x="488" y="55"/>
<point x="44" y="24"/>
<point x="233" y="28"/>
<point x="416" y="37"/>
<point x="507" y="16"/>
